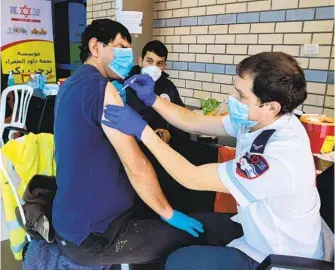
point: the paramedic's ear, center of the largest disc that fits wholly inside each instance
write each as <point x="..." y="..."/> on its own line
<point x="140" y="62"/>
<point x="275" y="107"/>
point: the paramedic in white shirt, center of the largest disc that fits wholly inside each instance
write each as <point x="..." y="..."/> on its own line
<point x="272" y="177"/>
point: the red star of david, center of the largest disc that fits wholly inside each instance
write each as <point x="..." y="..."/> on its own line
<point x="25" y="11"/>
<point x="255" y="159"/>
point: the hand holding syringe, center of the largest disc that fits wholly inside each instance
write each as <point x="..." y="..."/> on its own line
<point x="127" y="85"/>
<point x="143" y="87"/>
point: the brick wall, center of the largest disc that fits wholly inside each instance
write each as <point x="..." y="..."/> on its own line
<point x="99" y="9"/>
<point x="207" y="38"/>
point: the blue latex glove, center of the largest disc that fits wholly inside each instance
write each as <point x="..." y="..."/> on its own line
<point x="124" y="119"/>
<point x="119" y="87"/>
<point x="144" y="88"/>
<point x="185" y="223"/>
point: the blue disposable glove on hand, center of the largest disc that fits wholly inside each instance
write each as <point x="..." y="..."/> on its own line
<point x="119" y="88"/>
<point x="124" y="119"/>
<point x="144" y="88"/>
<point x="185" y="223"/>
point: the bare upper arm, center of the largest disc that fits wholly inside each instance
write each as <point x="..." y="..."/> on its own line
<point x="126" y="146"/>
<point x="112" y="96"/>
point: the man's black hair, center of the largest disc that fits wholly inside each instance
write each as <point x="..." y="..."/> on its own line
<point x="156" y="47"/>
<point x="277" y="77"/>
<point x="105" y="31"/>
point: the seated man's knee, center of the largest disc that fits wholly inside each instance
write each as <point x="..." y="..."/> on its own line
<point x="209" y="258"/>
<point x="182" y="259"/>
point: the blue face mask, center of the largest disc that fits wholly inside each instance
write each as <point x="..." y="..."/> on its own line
<point x="122" y="62"/>
<point x="239" y="113"/>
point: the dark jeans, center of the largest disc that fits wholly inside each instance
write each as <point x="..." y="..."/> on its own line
<point x="210" y="258"/>
<point x="130" y="240"/>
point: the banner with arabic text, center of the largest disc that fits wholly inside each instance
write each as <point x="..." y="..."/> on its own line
<point x="27" y="38"/>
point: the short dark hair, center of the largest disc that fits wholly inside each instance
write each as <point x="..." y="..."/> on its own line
<point x="156" y="47"/>
<point x="277" y="77"/>
<point x="104" y="30"/>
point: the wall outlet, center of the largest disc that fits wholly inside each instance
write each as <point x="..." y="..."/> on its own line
<point x="310" y="49"/>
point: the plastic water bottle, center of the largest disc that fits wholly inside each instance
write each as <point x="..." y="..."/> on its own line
<point x="11" y="81"/>
<point x="43" y="80"/>
<point x="37" y="80"/>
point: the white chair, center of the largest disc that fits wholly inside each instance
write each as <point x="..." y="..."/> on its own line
<point x="20" y="109"/>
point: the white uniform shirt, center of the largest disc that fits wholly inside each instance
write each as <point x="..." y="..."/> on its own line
<point x="278" y="201"/>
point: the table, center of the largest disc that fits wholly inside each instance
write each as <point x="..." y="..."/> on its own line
<point x="217" y="142"/>
<point x="323" y="161"/>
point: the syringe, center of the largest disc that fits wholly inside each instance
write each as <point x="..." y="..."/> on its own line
<point x="132" y="81"/>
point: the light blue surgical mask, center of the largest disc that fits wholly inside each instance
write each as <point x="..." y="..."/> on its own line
<point x="239" y="113"/>
<point x="122" y="62"/>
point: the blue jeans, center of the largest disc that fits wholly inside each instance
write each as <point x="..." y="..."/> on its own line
<point x="210" y="258"/>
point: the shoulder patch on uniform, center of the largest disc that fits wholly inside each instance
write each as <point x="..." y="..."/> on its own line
<point x="165" y="96"/>
<point x="251" y="166"/>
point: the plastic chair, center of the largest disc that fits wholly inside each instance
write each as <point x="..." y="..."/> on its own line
<point x="20" y="110"/>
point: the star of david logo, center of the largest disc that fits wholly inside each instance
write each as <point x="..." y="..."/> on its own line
<point x="25" y="11"/>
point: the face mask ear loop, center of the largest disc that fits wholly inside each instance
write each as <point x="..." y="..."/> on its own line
<point x="261" y="106"/>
